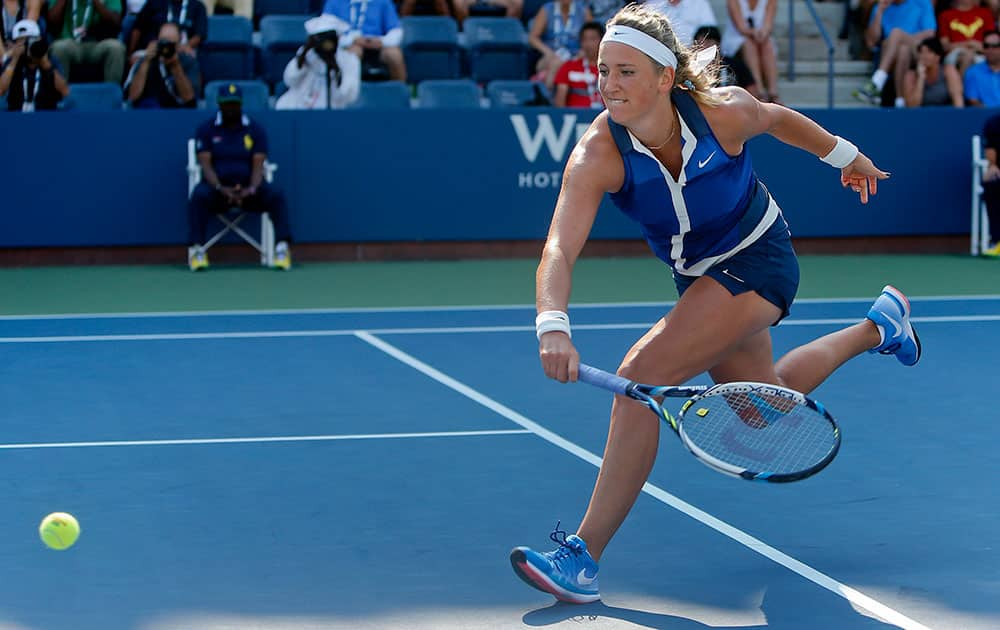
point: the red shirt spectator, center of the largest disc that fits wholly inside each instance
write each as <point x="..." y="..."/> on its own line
<point x="961" y="25"/>
<point x="581" y="78"/>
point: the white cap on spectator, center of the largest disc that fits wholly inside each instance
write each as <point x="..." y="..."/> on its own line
<point x="25" y="28"/>
<point x="326" y="23"/>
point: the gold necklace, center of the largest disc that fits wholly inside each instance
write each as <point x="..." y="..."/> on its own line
<point x="669" y="138"/>
<point x="664" y="143"/>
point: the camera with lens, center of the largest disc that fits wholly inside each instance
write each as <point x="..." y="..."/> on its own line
<point x="326" y="42"/>
<point x="166" y="48"/>
<point x="37" y="47"/>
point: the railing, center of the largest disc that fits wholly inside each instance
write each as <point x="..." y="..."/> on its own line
<point x="830" y="48"/>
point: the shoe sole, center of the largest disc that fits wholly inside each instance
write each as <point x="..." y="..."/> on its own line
<point x="524" y="570"/>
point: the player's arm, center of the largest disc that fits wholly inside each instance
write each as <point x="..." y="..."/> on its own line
<point x="741" y="117"/>
<point x="594" y="167"/>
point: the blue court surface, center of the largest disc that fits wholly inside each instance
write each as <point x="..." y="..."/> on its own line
<point x="373" y="468"/>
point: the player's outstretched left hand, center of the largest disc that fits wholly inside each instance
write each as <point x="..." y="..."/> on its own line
<point x="862" y="176"/>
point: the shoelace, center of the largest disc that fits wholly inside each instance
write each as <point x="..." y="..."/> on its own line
<point x="565" y="548"/>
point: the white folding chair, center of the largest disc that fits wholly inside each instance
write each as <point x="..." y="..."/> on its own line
<point x="231" y="220"/>
<point x="980" y="234"/>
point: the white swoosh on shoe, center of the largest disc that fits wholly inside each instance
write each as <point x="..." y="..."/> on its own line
<point x="582" y="578"/>
<point x="896" y="325"/>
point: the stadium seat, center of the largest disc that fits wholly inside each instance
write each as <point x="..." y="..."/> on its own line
<point x="497" y="48"/>
<point x="264" y="8"/>
<point x="280" y="38"/>
<point x="227" y="53"/>
<point x="430" y="47"/>
<point x="255" y="95"/>
<point x="511" y="93"/>
<point x="384" y="95"/>
<point x="448" y="93"/>
<point x="94" y="97"/>
<point x="232" y="219"/>
<point x="529" y="10"/>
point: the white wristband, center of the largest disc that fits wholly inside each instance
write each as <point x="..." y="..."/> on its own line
<point x="549" y="321"/>
<point x="842" y="154"/>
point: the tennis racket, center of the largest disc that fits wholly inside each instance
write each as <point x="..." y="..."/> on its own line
<point x="749" y="430"/>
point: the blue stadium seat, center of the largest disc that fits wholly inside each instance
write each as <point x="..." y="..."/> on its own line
<point x="448" y="93"/>
<point x="497" y="48"/>
<point x="510" y="93"/>
<point x="280" y="37"/>
<point x="93" y="97"/>
<point x="264" y="8"/>
<point x="383" y="95"/>
<point x="430" y="46"/>
<point x="227" y="53"/>
<point x="255" y="95"/>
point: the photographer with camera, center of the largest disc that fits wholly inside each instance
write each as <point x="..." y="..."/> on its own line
<point x="13" y="11"/>
<point x="321" y="75"/>
<point x="160" y="78"/>
<point x="30" y="79"/>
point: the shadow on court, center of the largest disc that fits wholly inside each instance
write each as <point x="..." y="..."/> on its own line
<point x="779" y="612"/>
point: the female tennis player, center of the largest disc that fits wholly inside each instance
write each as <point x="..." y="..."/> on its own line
<point x="670" y="152"/>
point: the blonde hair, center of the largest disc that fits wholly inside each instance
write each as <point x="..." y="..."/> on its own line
<point x="655" y="24"/>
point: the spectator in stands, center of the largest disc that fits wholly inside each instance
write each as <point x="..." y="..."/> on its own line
<point x="982" y="80"/>
<point x="321" y="75"/>
<point x="238" y="7"/>
<point x="576" y="79"/>
<point x="894" y="30"/>
<point x="749" y="35"/>
<point x="89" y="35"/>
<point x="930" y="82"/>
<point x="961" y="31"/>
<point x="487" y="8"/>
<point x="231" y="150"/>
<point x="732" y="70"/>
<point x="686" y="17"/>
<point x="191" y="19"/>
<point x="604" y="10"/>
<point x="13" y="11"/>
<point x="991" y="183"/>
<point x="374" y="30"/>
<point x="161" y="77"/>
<point x="425" y="7"/>
<point x="29" y="78"/>
<point x="555" y="34"/>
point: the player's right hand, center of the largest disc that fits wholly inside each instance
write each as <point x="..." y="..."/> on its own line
<point x="560" y="360"/>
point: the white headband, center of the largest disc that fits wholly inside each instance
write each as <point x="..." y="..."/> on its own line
<point x="641" y="42"/>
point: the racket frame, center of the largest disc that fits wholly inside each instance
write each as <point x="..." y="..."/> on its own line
<point x="647" y="395"/>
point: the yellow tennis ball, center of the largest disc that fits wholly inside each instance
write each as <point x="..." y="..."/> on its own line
<point x="59" y="530"/>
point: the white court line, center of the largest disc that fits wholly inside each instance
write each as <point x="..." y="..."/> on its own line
<point x="855" y="597"/>
<point x="343" y="332"/>
<point x="434" y="309"/>
<point x="259" y="440"/>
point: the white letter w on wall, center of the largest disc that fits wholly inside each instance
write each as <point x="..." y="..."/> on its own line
<point x="531" y="144"/>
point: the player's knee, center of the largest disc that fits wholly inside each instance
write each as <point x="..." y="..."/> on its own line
<point x="640" y="369"/>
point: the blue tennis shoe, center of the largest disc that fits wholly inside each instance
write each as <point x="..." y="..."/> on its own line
<point x="569" y="572"/>
<point x="891" y="315"/>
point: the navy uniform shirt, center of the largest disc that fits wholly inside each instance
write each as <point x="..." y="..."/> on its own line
<point x="232" y="148"/>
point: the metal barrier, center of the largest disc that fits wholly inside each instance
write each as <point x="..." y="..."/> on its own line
<point x="830" y="48"/>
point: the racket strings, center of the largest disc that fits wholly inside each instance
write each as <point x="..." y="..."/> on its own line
<point x="759" y="432"/>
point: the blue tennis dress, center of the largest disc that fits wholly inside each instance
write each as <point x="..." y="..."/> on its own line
<point x="715" y="219"/>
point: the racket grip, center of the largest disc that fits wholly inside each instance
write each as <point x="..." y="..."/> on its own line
<point x="604" y="380"/>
